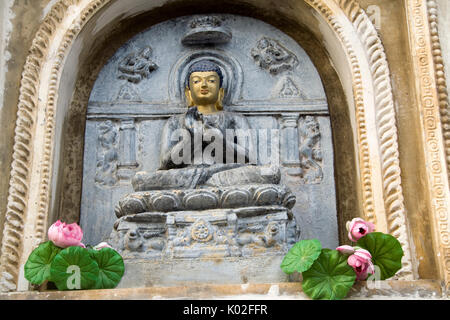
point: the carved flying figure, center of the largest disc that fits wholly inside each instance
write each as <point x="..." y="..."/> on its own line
<point x="272" y="56"/>
<point x="137" y="66"/>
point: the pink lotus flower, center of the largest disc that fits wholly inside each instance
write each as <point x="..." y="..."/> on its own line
<point x="102" y="245"/>
<point x="65" y="235"/>
<point x="361" y="262"/>
<point x="346" y="249"/>
<point x="358" y="228"/>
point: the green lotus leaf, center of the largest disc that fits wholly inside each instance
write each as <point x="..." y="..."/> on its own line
<point x="73" y="268"/>
<point x="37" y="267"/>
<point x="301" y="256"/>
<point x="386" y="252"/>
<point x="329" y="278"/>
<point x="111" y="267"/>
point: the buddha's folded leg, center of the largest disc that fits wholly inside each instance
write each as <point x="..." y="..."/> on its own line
<point x="166" y="179"/>
<point x="246" y="175"/>
<point x="179" y="178"/>
<point x="215" y="175"/>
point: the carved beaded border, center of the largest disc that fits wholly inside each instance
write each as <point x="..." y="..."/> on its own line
<point x="445" y="119"/>
<point x="440" y="77"/>
<point x="24" y="132"/>
<point x="428" y="68"/>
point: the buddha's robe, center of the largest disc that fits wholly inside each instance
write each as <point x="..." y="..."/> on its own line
<point x="214" y="150"/>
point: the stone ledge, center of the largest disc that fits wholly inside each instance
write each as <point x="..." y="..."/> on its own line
<point x="389" y="289"/>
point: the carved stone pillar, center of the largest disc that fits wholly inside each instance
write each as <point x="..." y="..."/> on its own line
<point x="289" y="140"/>
<point x="127" y="160"/>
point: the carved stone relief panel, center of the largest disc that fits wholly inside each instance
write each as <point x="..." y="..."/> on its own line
<point x="270" y="80"/>
<point x="312" y="179"/>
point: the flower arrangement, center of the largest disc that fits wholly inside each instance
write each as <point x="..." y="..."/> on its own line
<point x="329" y="274"/>
<point x="67" y="262"/>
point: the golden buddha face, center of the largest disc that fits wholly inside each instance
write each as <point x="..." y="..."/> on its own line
<point x="204" y="89"/>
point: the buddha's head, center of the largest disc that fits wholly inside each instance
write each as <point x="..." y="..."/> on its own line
<point x="204" y="85"/>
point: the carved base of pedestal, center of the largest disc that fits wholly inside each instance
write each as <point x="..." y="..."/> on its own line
<point x="218" y="233"/>
<point x="213" y="246"/>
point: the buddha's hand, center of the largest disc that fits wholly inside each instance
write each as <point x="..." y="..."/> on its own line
<point x="193" y="119"/>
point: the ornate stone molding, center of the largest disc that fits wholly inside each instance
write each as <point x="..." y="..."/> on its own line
<point x="359" y="108"/>
<point x="440" y="77"/>
<point x="386" y="131"/>
<point x="430" y="92"/>
<point x="29" y="193"/>
<point x="386" y="127"/>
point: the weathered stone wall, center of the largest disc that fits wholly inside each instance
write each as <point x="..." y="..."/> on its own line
<point x="20" y="20"/>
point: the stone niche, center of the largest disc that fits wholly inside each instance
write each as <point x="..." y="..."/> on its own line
<point x="139" y="89"/>
<point x="213" y="235"/>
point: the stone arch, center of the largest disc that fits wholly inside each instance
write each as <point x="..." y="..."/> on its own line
<point x="48" y="82"/>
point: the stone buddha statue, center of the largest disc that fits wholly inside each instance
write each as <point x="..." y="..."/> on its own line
<point x="206" y="145"/>
<point x="209" y="197"/>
